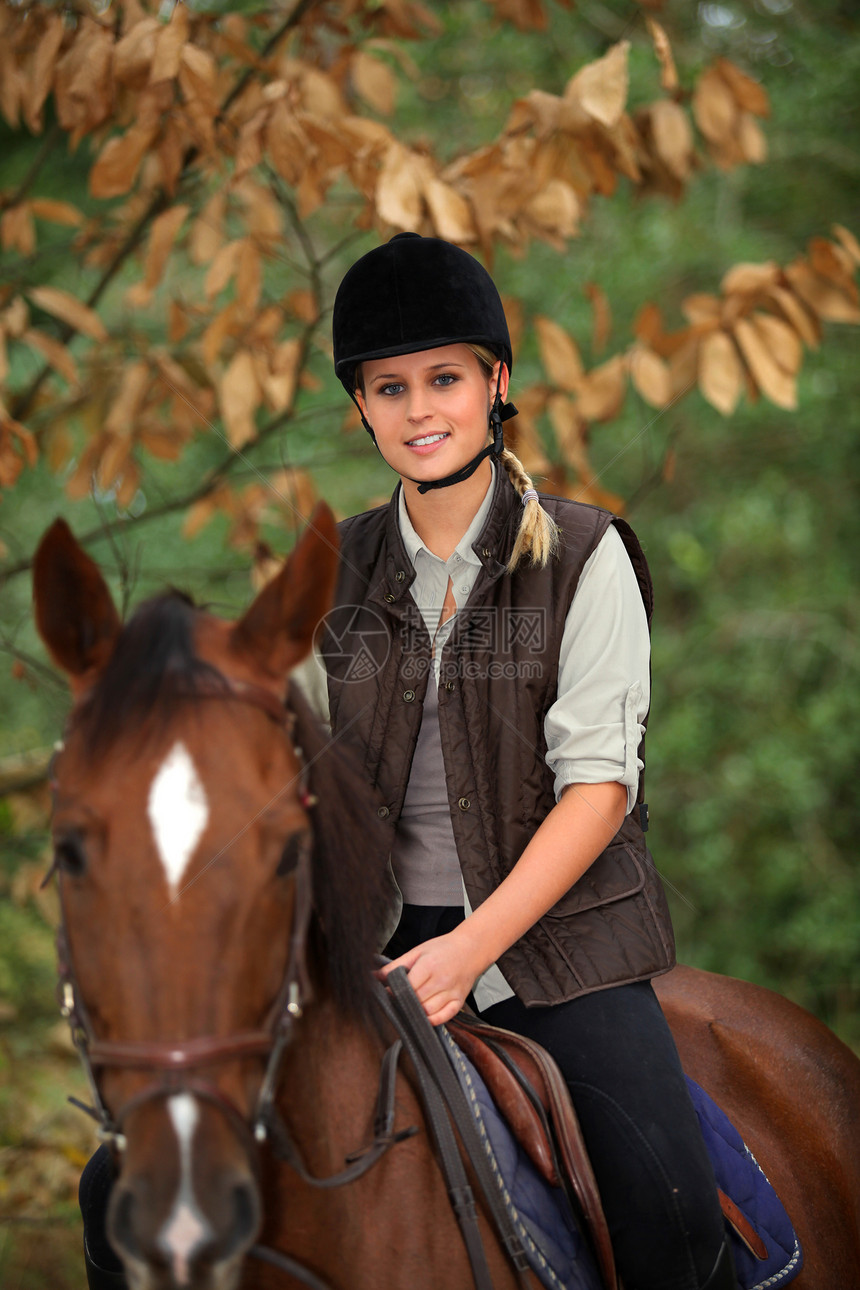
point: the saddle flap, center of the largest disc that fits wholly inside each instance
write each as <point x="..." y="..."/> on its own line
<point x="525" y="1116"/>
<point x="561" y="1157"/>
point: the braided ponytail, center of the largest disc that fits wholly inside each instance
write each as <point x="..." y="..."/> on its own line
<point x="537" y="536"/>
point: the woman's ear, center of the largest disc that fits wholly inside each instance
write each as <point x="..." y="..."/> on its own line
<point x="499" y="366"/>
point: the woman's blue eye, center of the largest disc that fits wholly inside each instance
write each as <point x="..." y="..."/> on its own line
<point x="393" y="387"/>
<point x="447" y="378"/>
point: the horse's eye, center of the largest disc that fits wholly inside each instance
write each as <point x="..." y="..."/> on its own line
<point x="296" y="848"/>
<point x="70" y="855"/>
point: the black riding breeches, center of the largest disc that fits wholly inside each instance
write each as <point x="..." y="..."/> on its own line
<point x="620" y="1063"/>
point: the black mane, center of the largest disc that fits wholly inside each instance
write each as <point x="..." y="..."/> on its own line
<point x="152" y="671"/>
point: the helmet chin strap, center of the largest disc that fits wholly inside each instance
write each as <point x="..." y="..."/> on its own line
<point x="500" y="412"/>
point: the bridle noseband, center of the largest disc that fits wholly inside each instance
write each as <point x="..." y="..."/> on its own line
<point x="177" y="1060"/>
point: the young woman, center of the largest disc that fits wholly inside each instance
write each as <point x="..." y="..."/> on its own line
<point x="490" y="659"/>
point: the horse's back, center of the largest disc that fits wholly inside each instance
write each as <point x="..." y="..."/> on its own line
<point x="793" y="1091"/>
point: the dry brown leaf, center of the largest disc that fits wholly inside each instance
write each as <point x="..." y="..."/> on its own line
<point x="119" y="160"/>
<point x="207" y="230"/>
<point x="714" y="107"/>
<point x="56" y="354"/>
<point x="133" y="53"/>
<point x="15" y="318"/>
<point x="83" y="80"/>
<point x="374" y="81"/>
<point x="832" y="261"/>
<point x="601" y="316"/>
<point x="773" y="382"/>
<point x="782" y="341"/>
<point x="600" y="88"/>
<point x="198" y="81"/>
<point x="663" y="50"/>
<point x="222" y="268"/>
<point x="751" y="140"/>
<point x="70" y="310"/>
<point x="199" y="515"/>
<point x="240" y="398"/>
<point x="42" y="70"/>
<point x="113" y="460"/>
<point x="804" y="323"/>
<point x="848" y="241"/>
<point x="821" y="295"/>
<point x="701" y="308"/>
<point x="451" y="214"/>
<point x="721" y="374"/>
<point x="249" y="277"/>
<point x="224" y="324"/>
<point x="673" y="137"/>
<point x="399" y="189"/>
<point x="650" y="376"/>
<point x="169" y="44"/>
<point x="132" y="391"/>
<point x="749" y="279"/>
<point x="302" y="304"/>
<point x="559" y="354"/>
<point x="648" y="323"/>
<point x="569" y="429"/>
<point x="602" y="391"/>
<point x="749" y="95"/>
<point x="177" y="323"/>
<point x="161" y="238"/>
<point x="280" y="378"/>
<point x="56" y="212"/>
<point x="555" y="209"/>
<point x="17" y="230"/>
<point x="162" y="442"/>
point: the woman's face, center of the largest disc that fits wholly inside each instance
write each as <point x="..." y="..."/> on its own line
<point x="430" y="410"/>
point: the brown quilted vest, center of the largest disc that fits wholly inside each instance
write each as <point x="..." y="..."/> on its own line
<point x="498" y="679"/>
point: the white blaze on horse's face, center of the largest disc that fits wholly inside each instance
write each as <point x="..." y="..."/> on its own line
<point x="178" y="812"/>
<point x="186" y="1228"/>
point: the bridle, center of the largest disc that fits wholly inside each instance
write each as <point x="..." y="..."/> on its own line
<point x="177" y="1061"/>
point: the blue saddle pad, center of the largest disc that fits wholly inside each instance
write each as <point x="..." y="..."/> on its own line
<point x="555" y="1247"/>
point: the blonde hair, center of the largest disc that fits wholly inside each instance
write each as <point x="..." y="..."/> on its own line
<point x="538" y="537"/>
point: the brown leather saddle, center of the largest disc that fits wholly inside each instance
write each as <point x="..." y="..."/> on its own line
<point x="530" y="1092"/>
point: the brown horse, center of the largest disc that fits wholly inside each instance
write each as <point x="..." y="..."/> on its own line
<point x="223" y="888"/>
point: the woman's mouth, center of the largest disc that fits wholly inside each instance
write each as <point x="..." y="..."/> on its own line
<point x="427" y="442"/>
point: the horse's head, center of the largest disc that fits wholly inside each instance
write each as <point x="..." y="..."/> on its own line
<point x="181" y="838"/>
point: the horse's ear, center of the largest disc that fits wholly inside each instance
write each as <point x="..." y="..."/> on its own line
<point x="277" y="631"/>
<point x="75" y="614"/>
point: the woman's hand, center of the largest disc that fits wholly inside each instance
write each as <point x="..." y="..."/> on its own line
<point x="441" y="971"/>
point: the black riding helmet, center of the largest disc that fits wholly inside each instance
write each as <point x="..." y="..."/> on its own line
<point x="418" y="293"/>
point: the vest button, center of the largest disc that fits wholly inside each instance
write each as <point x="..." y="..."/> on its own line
<point x="400" y="575"/>
<point x="486" y="552"/>
<point x="383" y="812"/>
<point x="464" y="803"/>
<point x="408" y="696"/>
<point x="449" y="685"/>
<point x="390" y="598"/>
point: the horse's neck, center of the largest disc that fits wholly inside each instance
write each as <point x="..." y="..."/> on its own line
<point x="330" y="1082"/>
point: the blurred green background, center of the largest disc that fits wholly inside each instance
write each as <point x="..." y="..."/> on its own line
<point x="750" y="524"/>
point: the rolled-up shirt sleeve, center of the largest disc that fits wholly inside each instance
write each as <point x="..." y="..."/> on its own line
<point x="594" y="727"/>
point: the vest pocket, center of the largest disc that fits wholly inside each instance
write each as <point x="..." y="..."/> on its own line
<point x="618" y="872"/>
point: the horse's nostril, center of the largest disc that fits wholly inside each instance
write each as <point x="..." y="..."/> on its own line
<point x="246" y="1218"/>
